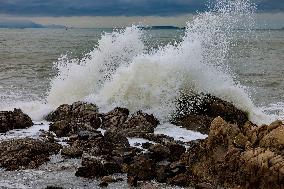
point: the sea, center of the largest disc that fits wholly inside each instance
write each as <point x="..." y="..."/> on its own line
<point x="219" y="52"/>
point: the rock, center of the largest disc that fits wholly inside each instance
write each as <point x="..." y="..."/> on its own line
<point x="233" y="156"/>
<point x="116" y="138"/>
<point x="140" y="123"/>
<point x="196" y="112"/>
<point x="14" y="120"/>
<point x="103" y="184"/>
<point x="142" y="168"/>
<point x="89" y="135"/>
<point x="71" y="152"/>
<point x="200" y="123"/>
<point x="83" y="110"/>
<point x="54" y="187"/>
<point x="176" y="150"/>
<point x="205" y="186"/>
<point x="25" y="153"/>
<point x="108" y="179"/>
<point x="146" y="145"/>
<point x="162" y="171"/>
<point x="179" y="180"/>
<point x="132" y="181"/>
<point x="274" y="140"/>
<point x="71" y="119"/>
<point x="159" y="151"/>
<point x="94" y="166"/>
<point x="115" y="118"/>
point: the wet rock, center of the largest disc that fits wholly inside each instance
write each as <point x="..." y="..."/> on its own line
<point x="72" y="152"/>
<point x="159" y="151"/>
<point x="25" y="153"/>
<point x="116" y="138"/>
<point x="142" y="168"/>
<point x="196" y="112"/>
<point x="108" y="179"/>
<point x="94" y="166"/>
<point x="115" y="118"/>
<point x="70" y="119"/>
<point x="146" y="145"/>
<point x="14" y="120"/>
<point x="176" y="150"/>
<point x="54" y="187"/>
<point x="82" y="110"/>
<point x="205" y="186"/>
<point x="162" y="171"/>
<point x="179" y="180"/>
<point x="132" y="181"/>
<point x="140" y="123"/>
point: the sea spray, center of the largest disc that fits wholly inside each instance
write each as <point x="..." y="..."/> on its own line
<point x="120" y="72"/>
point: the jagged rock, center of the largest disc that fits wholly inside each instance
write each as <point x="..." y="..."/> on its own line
<point x="115" y="118"/>
<point x="159" y="152"/>
<point x="14" y="120"/>
<point x="72" y="152"/>
<point x="132" y="181"/>
<point x="142" y="168"/>
<point x="196" y="112"/>
<point x="25" y="153"/>
<point x="176" y="150"/>
<point x="97" y="167"/>
<point x="116" y="138"/>
<point x="179" y="180"/>
<point x="82" y="110"/>
<point x="70" y="119"/>
<point x="231" y="156"/>
<point x="162" y="171"/>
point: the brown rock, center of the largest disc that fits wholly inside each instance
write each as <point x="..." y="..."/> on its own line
<point x="159" y="151"/>
<point x="195" y="112"/>
<point x="14" y="120"/>
<point x="115" y="118"/>
<point x="25" y="153"/>
<point x="72" y="152"/>
<point x="142" y="168"/>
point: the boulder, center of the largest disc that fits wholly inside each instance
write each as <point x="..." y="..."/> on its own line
<point x="142" y="168"/>
<point x="72" y="152"/>
<point x="116" y="138"/>
<point x="115" y="118"/>
<point x="196" y="111"/>
<point x="159" y="152"/>
<point x="25" y="153"/>
<point x="14" y="120"/>
<point x="70" y="119"/>
<point x="232" y="156"/>
<point x="97" y="166"/>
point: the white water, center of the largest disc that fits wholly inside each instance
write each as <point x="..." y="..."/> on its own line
<point x="120" y="72"/>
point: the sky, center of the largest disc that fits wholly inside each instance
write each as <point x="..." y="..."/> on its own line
<point x="119" y="13"/>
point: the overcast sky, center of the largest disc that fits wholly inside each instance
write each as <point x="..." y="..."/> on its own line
<point x="109" y="13"/>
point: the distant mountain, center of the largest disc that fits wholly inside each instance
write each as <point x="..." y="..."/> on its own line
<point x="19" y="24"/>
<point x="12" y="23"/>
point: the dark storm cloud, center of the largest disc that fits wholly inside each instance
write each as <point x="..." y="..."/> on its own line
<point x="114" y="7"/>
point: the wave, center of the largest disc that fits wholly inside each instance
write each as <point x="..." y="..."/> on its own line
<point x="121" y="71"/>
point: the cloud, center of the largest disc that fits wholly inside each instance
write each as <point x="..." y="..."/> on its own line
<point x="115" y="7"/>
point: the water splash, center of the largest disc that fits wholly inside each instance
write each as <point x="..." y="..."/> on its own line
<point x="120" y="72"/>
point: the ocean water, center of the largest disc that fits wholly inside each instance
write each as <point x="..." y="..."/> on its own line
<point x="30" y="79"/>
<point x="218" y="53"/>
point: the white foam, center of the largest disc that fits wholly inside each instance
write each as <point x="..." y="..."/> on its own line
<point x="137" y="142"/>
<point x="178" y="133"/>
<point x="31" y="132"/>
<point x="119" y="72"/>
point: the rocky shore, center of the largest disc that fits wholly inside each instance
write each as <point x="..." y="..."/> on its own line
<point x="236" y="153"/>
